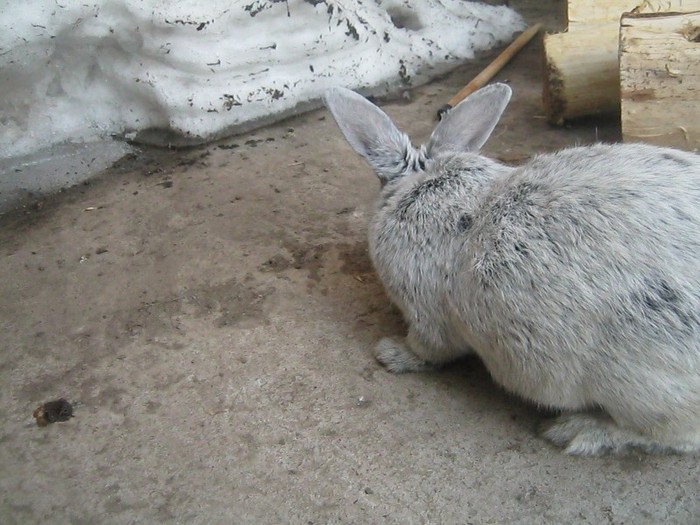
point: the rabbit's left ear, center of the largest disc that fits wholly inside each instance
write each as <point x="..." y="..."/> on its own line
<point x="468" y="125"/>
<point x="370" y="132"/>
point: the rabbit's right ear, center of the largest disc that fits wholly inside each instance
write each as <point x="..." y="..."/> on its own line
<point x="468" y="125"/>
<point x="370" y="132"/>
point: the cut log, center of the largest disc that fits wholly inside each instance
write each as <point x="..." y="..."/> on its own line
<point x="581" y="73"/>
<point x="581" y="66"/>
<point x="660" y="79"/>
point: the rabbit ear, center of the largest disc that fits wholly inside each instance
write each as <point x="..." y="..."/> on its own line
<point x="370" y="132"/>
<point x="468" y="125"/>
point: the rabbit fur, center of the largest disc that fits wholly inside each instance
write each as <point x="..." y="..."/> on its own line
<point x="575" y="277"/>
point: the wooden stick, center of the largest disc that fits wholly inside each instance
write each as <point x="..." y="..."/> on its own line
<point x="490" y="71"/>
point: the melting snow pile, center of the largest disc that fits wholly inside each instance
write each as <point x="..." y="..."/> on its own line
<point x="78" y="72"/>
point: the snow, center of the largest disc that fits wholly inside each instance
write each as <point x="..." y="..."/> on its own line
<point x="197" y="70"/>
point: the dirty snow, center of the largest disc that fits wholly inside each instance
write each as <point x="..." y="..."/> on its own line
<point x="191" y="71"/>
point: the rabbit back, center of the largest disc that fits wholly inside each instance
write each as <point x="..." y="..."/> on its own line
<point x="578" y="282"/>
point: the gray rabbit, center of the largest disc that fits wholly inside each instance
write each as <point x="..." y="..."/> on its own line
<point x="575" y="278"/>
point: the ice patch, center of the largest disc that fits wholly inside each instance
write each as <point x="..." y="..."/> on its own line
<point x="51" y="169"/>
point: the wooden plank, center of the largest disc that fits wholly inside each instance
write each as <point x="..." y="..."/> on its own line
<point x="584" y="13"/>
<point x="660" y="79"/>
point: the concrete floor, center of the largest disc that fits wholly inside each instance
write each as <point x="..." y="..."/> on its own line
<point x="210" y="312"/>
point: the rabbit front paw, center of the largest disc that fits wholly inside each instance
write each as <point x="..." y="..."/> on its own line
<point x="397" y="358"/>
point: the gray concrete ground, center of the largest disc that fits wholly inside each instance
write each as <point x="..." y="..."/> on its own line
<point x="210" y="312"/>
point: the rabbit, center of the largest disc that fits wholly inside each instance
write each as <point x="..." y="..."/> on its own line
<point x="575" y="277"/>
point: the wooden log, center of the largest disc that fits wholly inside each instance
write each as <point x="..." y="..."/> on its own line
<point x="660" y="79"/>
<point x="581" y="66"/>
<point x="581" y="74"/>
